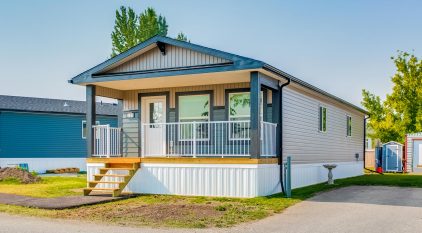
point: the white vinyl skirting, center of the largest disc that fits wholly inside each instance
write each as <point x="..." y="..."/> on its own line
<point x="40" y="165"/>
<point x="309" y="174"/>
<point x="224" y="180"/>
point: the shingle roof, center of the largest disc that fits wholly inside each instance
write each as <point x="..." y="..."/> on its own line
<point x="31" y="104"/>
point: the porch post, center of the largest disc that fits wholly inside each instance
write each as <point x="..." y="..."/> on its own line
<point x="255" y="131"/>
<point x="276" y="116"/>
<point x="90" y="119"/>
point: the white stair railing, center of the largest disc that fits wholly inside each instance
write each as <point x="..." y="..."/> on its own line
<point x="107" y="141"/>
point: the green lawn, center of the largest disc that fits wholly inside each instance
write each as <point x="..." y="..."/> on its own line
<point x="48" y="187"/>
<point x="198" y="212"/>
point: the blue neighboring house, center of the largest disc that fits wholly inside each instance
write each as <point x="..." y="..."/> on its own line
<point x="47" y="133"/>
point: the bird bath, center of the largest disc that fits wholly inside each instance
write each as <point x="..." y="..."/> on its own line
<point x="330" y="167"/>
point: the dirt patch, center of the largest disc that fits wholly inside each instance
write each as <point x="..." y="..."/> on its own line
<point x="151" y="214"/>
<point x="19" y="174"/>
<point x="160" y="212"/>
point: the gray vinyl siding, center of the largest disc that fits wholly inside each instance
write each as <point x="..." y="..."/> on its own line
<point x="302" y="139"/>
<point x="130" y="137"/>
<point x="175" y="57"/>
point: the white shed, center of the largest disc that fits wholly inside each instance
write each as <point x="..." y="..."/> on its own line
<point x="413" y="152"/>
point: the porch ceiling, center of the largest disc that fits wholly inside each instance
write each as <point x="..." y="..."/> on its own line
<point x="239" y="76"/>
<point x="179" y="81"/>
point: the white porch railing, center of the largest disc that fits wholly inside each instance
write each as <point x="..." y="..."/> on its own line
<point x="107" y="141"/>
<point x="215" y="138"/>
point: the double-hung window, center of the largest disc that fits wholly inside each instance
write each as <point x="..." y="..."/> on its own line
<point x="240" y="115"/>
<point x="194" y="117"/>
<point x="349" y="126"/>
<point x="322" y="119"/>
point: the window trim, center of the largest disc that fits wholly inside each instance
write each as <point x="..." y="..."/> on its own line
<point x="210" y="94"/>
<point x="320" y="123"/>
<point x="349" y="127"/>
<point x="82" y="127"/>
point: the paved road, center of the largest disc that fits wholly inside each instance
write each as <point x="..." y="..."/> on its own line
<point x="352" y="209"/>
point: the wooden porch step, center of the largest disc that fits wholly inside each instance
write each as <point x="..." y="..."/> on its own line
<point x="101" y="189"/>
<point x="111" y="175"/>
<point x="130" y="167"/>
<point x="106" y="182"/>
<point x="114" y="191"/>
<point x="116" y="169"/>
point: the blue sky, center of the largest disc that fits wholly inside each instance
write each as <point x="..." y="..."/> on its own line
<point x="339" y="46"/>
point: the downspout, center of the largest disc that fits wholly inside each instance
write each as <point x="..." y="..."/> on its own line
<point x="364" y="140"/>
<point x="280" y="157"/>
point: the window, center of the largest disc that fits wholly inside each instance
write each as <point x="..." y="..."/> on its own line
<point x="194" y="108"/>
<point x="349" y="126"/>
<point x="240" y="110"/>
<point x="156" y="114"/>
<point x="84" y="132"/>
<point x="322" y="119"/>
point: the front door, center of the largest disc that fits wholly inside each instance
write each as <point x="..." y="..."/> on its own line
<point x="153" y="118"/>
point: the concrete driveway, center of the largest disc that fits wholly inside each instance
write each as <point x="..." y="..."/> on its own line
<point x="352" y="209"/>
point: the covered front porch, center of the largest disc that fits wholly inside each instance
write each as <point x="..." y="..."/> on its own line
<point x="237" y="119"/>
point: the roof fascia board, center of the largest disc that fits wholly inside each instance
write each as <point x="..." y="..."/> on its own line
<point x="164" y="73"/>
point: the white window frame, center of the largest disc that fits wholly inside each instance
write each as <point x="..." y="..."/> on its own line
<point x="320" y="118"/>
<point x="208" y="118"/>
<point x="349" y="127"/>
<point x="82" y="128"/>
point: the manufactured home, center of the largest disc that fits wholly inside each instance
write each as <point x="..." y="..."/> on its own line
<point x="47" y="133"/>
<point x="199" y="121"/>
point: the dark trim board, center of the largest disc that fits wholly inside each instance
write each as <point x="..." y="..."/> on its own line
<point x="165" y="73"/>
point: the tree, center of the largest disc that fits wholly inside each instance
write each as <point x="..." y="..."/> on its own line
<point x="182" y="37"/>
<point x="150" y="25"/>
<point x="401" y="112"/>
<point x="125" y="34"/>
<point x="131" y="29"/>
